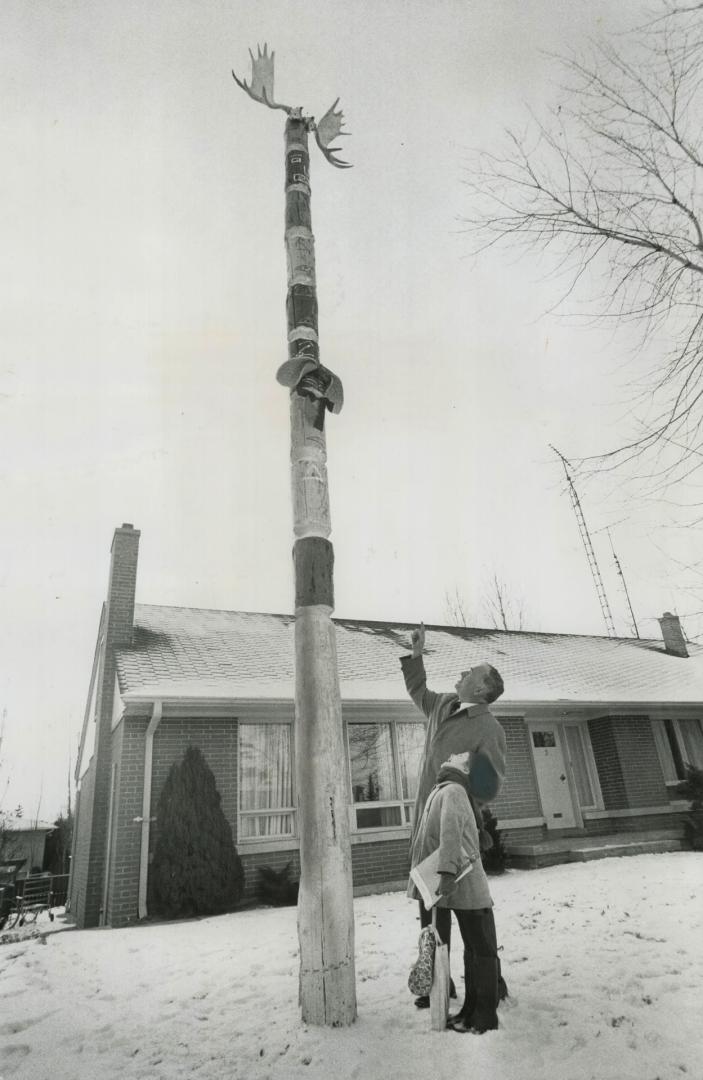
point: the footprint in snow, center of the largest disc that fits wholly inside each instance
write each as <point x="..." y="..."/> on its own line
<point x="12" y="1056"/>
<point x="13" y="1027"/>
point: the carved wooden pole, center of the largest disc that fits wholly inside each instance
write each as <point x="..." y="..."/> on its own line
<point x="325" y="907"/>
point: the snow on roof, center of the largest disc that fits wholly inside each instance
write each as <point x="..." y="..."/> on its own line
<point x="255" y="689"/>
<point x="193" y="652"/>
<point x="22" y="824"/>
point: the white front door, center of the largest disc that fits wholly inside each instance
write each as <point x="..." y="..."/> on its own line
<point x="552" y="776"/>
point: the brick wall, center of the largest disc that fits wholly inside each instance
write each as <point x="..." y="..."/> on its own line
<point x="378" y="863"/>
<point x="275" y="859"/>
<point x="123" y="888"/>
<point x="514" y="838"/>
<point x="640" y="823"/>
<point x="605" y="753"/>
<point x="519" y="796"/>
<point x="641" y="768"/>
<point x="373" y="863"/>
<point x="628" y="766"/>
<point x="81" y="845"/>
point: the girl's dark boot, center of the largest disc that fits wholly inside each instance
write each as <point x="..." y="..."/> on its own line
<point x="479" y="1011"/>
<point x="466" y="1010"/>
<point x="484" y="1016"/>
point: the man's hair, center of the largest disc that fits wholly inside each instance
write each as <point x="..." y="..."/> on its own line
<point x="493" y="684"/>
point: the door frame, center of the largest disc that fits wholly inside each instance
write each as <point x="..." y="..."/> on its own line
<point x="538" y="725"/>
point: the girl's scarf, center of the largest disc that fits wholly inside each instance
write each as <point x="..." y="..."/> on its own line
<point x="447" y="774"/>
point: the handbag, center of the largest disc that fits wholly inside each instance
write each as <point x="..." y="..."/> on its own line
<point x="420" y="977"/>
<point x="439" y="990"/>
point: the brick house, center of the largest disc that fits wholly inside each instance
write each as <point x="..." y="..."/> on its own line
<point x="598" y="730"/>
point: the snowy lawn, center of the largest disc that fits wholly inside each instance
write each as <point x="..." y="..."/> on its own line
<point x="604" y="961"/>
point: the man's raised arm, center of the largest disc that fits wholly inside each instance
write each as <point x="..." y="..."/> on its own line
<point x="414" y="674"/>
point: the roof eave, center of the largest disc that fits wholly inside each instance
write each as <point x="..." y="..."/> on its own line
<point x="134" y="700"/>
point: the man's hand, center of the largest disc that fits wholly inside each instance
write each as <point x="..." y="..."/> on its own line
<point x="447" y="883"/>
<point x="418" y="640"/>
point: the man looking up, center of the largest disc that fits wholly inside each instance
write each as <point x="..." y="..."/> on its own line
<point x="457" y="722"/>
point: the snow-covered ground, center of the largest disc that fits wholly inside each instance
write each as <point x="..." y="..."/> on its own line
<point x="604" y="961"/>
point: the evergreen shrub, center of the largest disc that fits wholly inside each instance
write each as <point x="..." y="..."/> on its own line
<point x="278" y="887"/>
<point x="495" y="857"/>
<point x="692" y="788"/>
<point x="196" y="869"/>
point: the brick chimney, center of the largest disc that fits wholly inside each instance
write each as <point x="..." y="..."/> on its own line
<point x="674" y="641"/>
<point x="122" y="584"/>
<point x="92" y="893"/>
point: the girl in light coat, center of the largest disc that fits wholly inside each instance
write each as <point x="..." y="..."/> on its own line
<point x="448" y="824"/>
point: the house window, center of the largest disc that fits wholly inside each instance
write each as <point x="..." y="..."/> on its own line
<point x="384" y="760"/>
<point x="546" y="739"/>
<point x="679" y="743"/>
<point x="265" y="781"/>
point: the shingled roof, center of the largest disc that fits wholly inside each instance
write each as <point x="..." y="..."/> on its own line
<point x="191" y="652"/>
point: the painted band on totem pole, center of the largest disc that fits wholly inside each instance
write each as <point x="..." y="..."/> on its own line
<point x="313" y="559"/>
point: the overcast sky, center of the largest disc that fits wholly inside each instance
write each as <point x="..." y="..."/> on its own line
<point x="143" y="276"/>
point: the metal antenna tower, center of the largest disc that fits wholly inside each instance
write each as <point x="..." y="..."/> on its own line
<point x="624" y="585"/>
<point x="588" y="546"/>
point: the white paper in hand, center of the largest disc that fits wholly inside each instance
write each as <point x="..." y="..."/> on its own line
<point x="427" y="878"/>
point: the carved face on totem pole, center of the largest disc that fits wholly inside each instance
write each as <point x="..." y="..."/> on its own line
<point x="302" y="373"/>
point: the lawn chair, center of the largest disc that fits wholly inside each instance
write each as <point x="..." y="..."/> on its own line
<point x="9" y="868"/>
<point x="33" y="895"/>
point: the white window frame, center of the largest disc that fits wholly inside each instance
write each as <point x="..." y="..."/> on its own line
<point x="277" y="838"/>
<point x="666" y="756"/>
<point x="591" y="768"/>
<point x="405" y="805"/>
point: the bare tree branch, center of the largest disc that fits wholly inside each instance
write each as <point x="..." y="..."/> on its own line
<point x="456" y="610"/>
<point x="502" y="607"/>
<point x="611" y="183"/>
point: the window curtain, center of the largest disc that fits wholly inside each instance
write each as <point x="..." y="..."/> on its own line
<point x="666" y="758"/>
<point x="411" y="744"/>
<point x="266" y="778"/>
<point x="371" y="759"/>
<point x="692" y="738"/>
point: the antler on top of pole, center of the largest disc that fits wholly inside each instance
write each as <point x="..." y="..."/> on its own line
<point x="302" y="373"/>
<point x="260" y="89"/>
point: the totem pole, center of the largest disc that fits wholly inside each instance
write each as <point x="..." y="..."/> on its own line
<point x="325" y="910"/>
